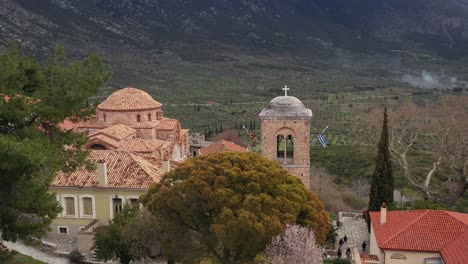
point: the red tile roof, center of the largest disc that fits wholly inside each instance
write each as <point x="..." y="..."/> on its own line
<point x="118" y="132"/>
<point x="168" y="124"/>
<point x="129" y="99"/>
<point x="145" y="145"/>
<point x="108" y="142"/>
<point x="221" y="145"/>
<point x="125" y="170"/>
<point x="92" y="124"/>
<point x="425" y="230"/>
<point x="368" y="259"/>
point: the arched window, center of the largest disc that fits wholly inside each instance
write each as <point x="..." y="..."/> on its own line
<point x="398" y="256"/>
<point x="104" y="117"/>
<point x="149" y="117"/>
<point x="138" y="118"/>
<point x="290" y="149"/>
<point x="280" y="148"/>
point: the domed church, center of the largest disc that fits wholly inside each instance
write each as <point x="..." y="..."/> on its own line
<point x="131" y="120"/>
<point x="285" y="124"/>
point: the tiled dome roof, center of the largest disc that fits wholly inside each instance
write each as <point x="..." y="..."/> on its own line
<point x="285" y="106"/>
<point x="129" y="99"/>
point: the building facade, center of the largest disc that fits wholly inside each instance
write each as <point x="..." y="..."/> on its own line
<point x="285" y="125"/>
<point x="419" y="237"/>
<point x="131" y="120"/>
<point x="91" y="197"/>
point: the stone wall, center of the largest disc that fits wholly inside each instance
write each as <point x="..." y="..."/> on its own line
<point x="299" y="128"/>
<point x="129" y="117"/>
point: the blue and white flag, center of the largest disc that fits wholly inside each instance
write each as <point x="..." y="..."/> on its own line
<point x="322" y="140"/>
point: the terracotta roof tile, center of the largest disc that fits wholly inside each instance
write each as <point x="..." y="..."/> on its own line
<point x="125" y="170"/>
<point x="144" y="145"/>
<point x="168" y="124"/>
<point x="221" y="145"/>
<point x="368" y="259"/>
<point x="92" y="124"/>
<point x="118" y="132"/>
<point x="184" y="131"/>
<point x="103" y="140"/>
<point x="426" y="230"/>
<point x="129" y="99"/>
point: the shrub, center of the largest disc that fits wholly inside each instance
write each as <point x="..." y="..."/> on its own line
<point x="75" y="257"/>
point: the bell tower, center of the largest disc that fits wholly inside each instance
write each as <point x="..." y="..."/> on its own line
<point x="285" y="125"/>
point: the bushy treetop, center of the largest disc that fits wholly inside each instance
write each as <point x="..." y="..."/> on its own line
<point x="235" y="203"/>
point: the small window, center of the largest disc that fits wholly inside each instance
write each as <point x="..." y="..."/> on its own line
<point x="104" y="117"/>
<point x="149" y="117"/>
<point x="70" y="206"/>
<point x="433" y="261"/>
<point x="138" y="118"/>
<point x="87" y="206"/>
<point x="117" y="205"/>
<point x="63" y="230"/>
<point x="134" y="201"/>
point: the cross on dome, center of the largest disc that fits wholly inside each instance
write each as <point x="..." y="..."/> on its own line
<point x="285" y="89"/>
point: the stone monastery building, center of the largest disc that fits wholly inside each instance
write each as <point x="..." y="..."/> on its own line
<point x="131" y="120"/>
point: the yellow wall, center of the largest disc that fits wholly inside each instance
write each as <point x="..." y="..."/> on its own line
<point x="101" y="205"/>
<point x="412" y="257"/>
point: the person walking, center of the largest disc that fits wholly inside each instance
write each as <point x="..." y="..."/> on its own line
<point x="345" y="238"/>
<point x="339" y="253"/>
<point x="364" y="245"/>
<point x="341" y="242"/>
<point x="348" y="253"/>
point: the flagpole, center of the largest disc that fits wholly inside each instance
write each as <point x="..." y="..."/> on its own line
<point x="315" y="138"/>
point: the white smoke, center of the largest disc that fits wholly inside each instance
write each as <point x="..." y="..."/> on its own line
<point x="428" y="80"/>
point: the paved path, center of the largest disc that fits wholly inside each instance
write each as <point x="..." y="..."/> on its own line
<point x="355" y="229"/>
<point x="35" y="253"/>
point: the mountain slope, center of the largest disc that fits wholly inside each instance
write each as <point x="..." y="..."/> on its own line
<point x="350" y="24"/>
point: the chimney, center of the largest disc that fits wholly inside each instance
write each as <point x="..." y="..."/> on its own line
<point x="166" y="166"/>
<point x="383" y="214"/>
<point x="102" y="173"/>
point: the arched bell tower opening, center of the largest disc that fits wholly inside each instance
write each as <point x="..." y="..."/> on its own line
<point x="285" y="126"/>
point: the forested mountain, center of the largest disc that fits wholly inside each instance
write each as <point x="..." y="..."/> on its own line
<point x="358" y="25"/>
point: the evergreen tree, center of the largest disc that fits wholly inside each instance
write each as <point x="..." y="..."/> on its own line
<point x="382" y="181"/>
<point x="34" y="99"/>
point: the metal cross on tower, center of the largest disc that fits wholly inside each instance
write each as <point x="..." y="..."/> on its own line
<point x="285" y="89"/>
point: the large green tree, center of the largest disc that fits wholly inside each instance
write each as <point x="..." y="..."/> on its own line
<point x="233" y="203"/>
<point x="382" y="181"/>
<point x="34" y="99"/>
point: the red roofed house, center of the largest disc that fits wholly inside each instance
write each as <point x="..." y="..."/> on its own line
<point x="419" y="237"/>
<point x="92" y="196"/>
<point x="131" y="145"/>
<point x="221" y="145"/>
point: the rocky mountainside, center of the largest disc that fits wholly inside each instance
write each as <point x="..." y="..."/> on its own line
<point x="437" y="25"/>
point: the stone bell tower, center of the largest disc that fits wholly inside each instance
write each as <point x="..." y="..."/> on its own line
<point x="286" y="134"/>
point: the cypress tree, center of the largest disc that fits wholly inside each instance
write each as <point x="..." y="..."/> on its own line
<point x="382" y="181"/>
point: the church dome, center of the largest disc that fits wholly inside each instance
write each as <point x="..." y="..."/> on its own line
<point x="286" y="106"/>
<point x="129" y="99"/>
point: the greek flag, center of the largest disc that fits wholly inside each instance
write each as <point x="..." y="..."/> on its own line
<point x="322" y="140"/>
